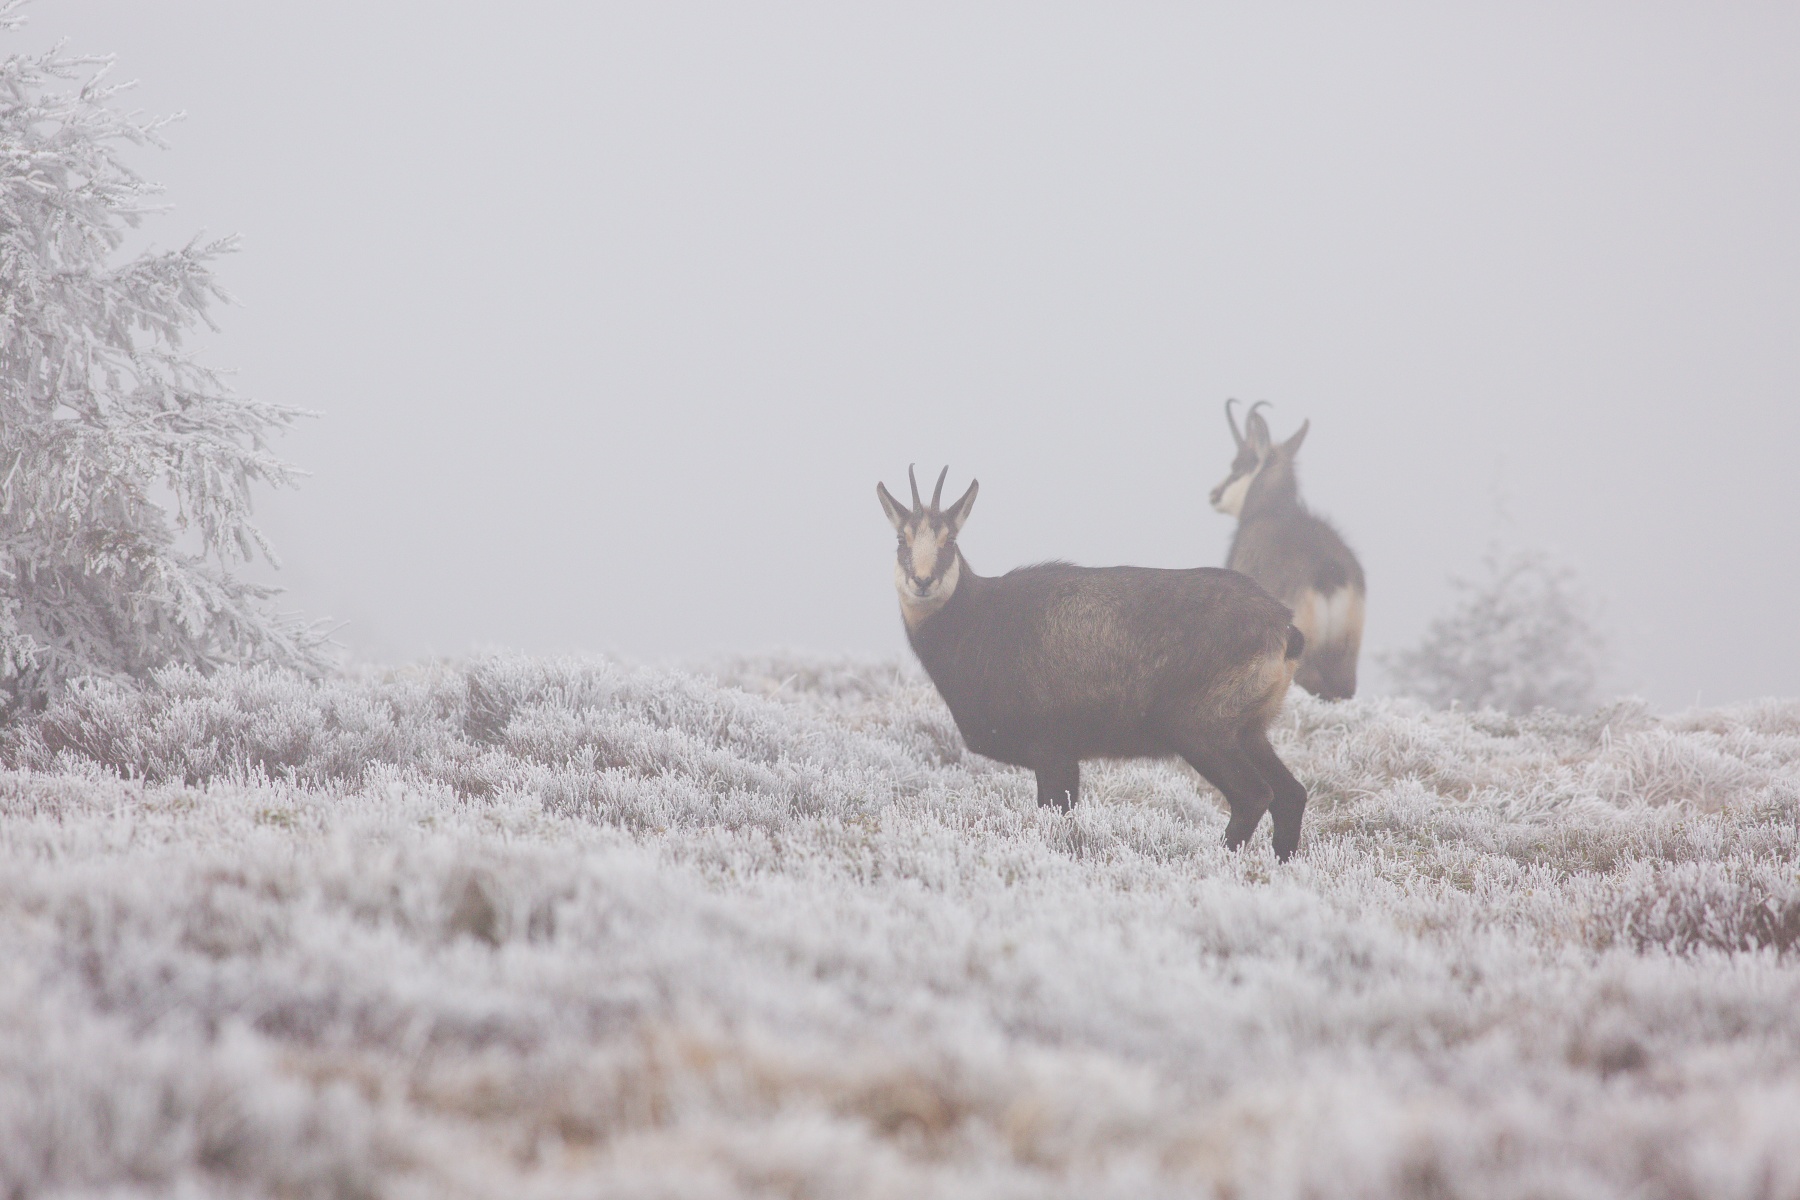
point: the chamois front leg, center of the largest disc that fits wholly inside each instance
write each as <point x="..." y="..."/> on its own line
<point x="1058" y="777"/>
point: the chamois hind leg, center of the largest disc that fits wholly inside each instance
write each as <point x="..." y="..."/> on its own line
<point x="1058" y="777"/>
<point x="1287" y="803"/>
<point x="1225" y="765"/>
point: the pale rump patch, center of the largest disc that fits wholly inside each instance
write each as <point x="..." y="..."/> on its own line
<point x="1330" y="619"/>
<point x="1257" y="687"/>
<point x="1277" y="675"/>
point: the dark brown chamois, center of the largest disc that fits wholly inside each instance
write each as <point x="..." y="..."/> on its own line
<point x="1047" y="665"/>
<point x="1297" y="556"/>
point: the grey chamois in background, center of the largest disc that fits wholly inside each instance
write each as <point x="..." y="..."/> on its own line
<point x="1050" y="664"/>
<point x="1296" y="556"/>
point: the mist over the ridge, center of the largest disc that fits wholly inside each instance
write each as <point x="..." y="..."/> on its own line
<point x="615" y="316"/>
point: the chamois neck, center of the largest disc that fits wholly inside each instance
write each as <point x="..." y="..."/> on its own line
<point x="1274" y="492"/>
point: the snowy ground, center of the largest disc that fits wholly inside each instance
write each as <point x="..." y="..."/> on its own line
<point x="562" y="928"/>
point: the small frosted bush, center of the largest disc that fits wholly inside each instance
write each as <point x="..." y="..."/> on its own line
<point x="1517" y="639"/>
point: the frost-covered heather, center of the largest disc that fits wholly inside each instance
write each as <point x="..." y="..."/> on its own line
<point x="558" y="928"/>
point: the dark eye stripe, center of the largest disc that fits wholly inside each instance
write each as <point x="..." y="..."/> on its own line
<point x="946" y="556"/>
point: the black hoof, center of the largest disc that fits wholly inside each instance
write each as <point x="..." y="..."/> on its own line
<point x="1236" y="835"/>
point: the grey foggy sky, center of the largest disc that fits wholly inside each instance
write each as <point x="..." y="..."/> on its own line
<point x="616" y="314"/>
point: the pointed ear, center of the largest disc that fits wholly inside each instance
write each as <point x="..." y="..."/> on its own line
<point x="957" y="513"/>
<point x="896" y="513"/>
<point x="1291" y="447"/>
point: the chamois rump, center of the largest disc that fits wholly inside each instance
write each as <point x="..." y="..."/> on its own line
<point x="1297" y="557"/>
<point x="1050" y="664"/>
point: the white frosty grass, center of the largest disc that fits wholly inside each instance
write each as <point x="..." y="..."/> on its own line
<point x="563" y="928"/>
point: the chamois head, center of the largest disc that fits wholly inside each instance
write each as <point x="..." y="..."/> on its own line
<point x="1261" y="464"/>
<point x="927" y="565"/>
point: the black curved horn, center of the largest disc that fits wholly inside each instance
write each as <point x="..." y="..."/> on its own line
<point x="1232" y="421"/>
<point x="1255" y="427"/>
<point x="917" y="507"/>
<point x="937" y="493"/>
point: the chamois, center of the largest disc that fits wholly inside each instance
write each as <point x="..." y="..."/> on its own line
<point x="1297" y="557"/>
<point x="1050" y="664"/>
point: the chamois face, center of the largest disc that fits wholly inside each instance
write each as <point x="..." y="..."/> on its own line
<point x="927" y="566"/>
<point x="1228" y="497"/>
<point x="1257" y="457"/>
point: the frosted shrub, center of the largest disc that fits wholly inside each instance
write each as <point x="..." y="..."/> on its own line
<point x="114" y="444"/>
<point x="1517" y="639"/>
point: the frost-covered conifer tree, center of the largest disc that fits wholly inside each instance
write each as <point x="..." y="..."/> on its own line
<point x="1518" y="639"/>
<point x="125" y="466"/>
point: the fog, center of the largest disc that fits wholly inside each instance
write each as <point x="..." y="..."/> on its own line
<point x="615" y="315"/>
